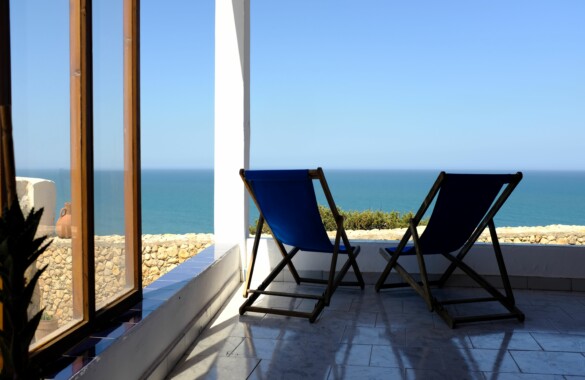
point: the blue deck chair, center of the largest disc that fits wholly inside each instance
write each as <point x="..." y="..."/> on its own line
<point x="286" y="202"/>
<point x="465" y="205"/>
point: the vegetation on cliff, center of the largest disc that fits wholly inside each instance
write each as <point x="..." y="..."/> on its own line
<point x="359" y="220"/>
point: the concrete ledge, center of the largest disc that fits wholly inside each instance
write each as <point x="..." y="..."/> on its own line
<point x="151" y="348"/>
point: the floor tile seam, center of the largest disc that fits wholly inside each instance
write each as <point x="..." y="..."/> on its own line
<point x="577" y="317"/>
<point x="541" y="373"/>
<point x="438" y="347"/>
<point x="333" y="351"/>
<point x="560" y="334"/>
<point x="370" y="353"/>
<point x="472" y="344"/>
<point x="566" y="313"/>
<point x="557" y="351"/>
<point x="466" y="337"/>
<point x="329" y="372"/>
<point x="545" y="350"/>
<point x="491" y="349"/>
<point x="370" y="358"/>
<point x="311" y="340"/>
<point x="573" y="332"/>
<point x="377" y="318"/>
<point x="254" y="369"/>
<point x="345" y="327"/>
<point x="518" y="369"/>
<point x="485" y="375"/>
<point x="212" y="347"/>
<point x="299" y="341"/>
<point x="403" y="370"/>
<point x="406" y="346"/>
<point x="353" y="300"/>
<point x="392" y="329"/>
<point x="237" y="346"/>
<point x="389" y="366"/>
<point x="406" y="365"/>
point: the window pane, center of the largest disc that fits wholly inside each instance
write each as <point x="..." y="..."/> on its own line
<point x="41" y="119"/>
<point x="110" y="253"/>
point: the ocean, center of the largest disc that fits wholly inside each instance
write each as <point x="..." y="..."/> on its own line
<point x="181" y="201"/>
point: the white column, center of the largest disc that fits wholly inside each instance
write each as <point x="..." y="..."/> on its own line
<point x="232" y="121"/>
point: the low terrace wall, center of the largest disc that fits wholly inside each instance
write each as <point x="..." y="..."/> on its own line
<point x="161" y="253"/>
<point x="545" y="258"/>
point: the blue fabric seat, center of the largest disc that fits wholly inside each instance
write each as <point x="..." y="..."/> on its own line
<point x="465" y="205"/>
<point x="287" y="203"/>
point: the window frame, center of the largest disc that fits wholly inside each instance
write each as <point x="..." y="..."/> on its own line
<point x="82" y="178"/>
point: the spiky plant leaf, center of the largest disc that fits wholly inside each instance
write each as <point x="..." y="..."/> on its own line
<point x="19" y="248"/>
<point x="39" y="247"/>
<point x="30" y="329"/>
<point x="30" y="286"/>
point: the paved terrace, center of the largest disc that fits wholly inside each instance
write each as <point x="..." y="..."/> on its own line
<point x="391" y="335"/>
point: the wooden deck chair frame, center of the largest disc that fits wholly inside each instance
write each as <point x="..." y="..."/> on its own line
<point x="423" y="286"/>
<point x="333" y="281"/>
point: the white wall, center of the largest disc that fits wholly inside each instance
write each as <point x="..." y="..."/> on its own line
<point x="522" y="260"/>
<point x="38" y="193"/>
<point x="232" y="120"/>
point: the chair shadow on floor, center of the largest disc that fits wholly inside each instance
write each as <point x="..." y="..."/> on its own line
<point x="409" y="337"/>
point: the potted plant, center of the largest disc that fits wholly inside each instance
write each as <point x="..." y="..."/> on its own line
<point x="19" y="248"/>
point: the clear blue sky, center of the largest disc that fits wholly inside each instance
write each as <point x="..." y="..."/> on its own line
<point x="338" y="84"/>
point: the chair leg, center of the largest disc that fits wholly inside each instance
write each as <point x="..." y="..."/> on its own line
<point x="279" y="267"/>
<point x="252" y="261"/>
<point x="331" y="283"/>
<point x="505" y="301"/>
<point x="329" y="290"/>
<point x="423" y="268"/>
<point x="320" y="303"/>
<point x="291" y="267"/>
<point x="352" y="256"/>
<point x="352" y="260"/>
<point x="392" y="262"/>
<point x="422" y="287"/>
<point x="501" y="263"/>
<point x="338" y="278"/>
<point x="386" y="272"/>
<point x="427" y="295"/>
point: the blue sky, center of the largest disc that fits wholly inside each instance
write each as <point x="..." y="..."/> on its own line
<point x="371" y="84"/>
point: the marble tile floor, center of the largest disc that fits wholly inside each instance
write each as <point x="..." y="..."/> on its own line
<point x="391" y="335"/>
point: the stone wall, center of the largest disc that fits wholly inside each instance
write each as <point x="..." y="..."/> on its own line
<point x="160" y="254"/>
<point x="553" y="234"/>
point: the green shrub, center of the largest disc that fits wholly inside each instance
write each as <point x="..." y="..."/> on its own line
<point x="358" y="220"/>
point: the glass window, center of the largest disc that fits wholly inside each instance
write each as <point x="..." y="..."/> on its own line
<point x="41" y="120"/>
<point x="108" y="108"/>
<point x="75" y="131"/>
